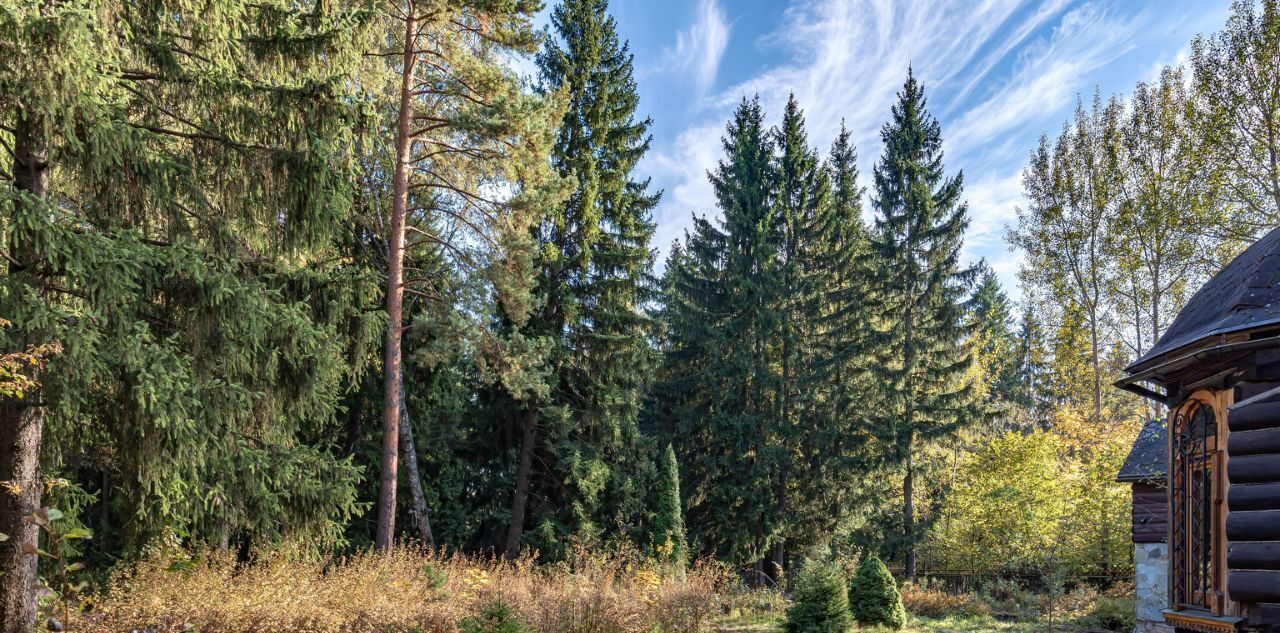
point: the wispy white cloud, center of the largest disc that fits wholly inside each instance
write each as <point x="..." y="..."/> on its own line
<point x="1014" y="38"/>
<point x="682" y="170"/>
<point x="699" y="48"/>
<point x="996" y="72"/>
<point x="993" y="206"/>
<point x="1050" y="71"/>
<point x="844" y="60"/>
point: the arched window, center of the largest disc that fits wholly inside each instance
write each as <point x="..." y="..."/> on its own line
<point x="1194" y="492"/>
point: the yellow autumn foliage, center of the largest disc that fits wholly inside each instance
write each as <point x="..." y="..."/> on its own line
<point x="1027" y="500"/>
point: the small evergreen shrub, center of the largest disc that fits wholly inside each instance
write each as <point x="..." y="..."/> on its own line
<point x="667" y="539"/>
<point x="874" y="597"/>
<point x="497" y="617"/>
<point x="819" y="603"/>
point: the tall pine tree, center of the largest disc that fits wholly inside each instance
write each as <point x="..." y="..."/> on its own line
<point x="765" y="331"/>
<point x="465" y="128"/>
<point x="921" y="287"/>
<point x="834" y="383"/>
<point x="993" y="337"/>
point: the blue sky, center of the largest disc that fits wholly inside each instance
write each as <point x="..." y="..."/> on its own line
<point x="997" y="73"/>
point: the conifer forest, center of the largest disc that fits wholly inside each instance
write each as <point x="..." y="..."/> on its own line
<point x="353" y="315"/>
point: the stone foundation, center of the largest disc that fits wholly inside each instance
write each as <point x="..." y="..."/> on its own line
<point x="1151" y="584"/>
<point x="1152" y="627"/>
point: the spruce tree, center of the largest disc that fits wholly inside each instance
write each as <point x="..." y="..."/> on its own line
<point x="764" y="341"/>
<point x="666" y="538"/>
<point x="716" y="399"/>
<point x="994" y="337"/>
<point x="873" y="596"/>
<point x="173" y="210"/>
<point x="1030" y="389"/>
<point x="832" y="381"/>
<point x="920" y="286"/>
<point x="594" y="261"/>
<point x="812" y="251"/>
<point x="820" y="602"/>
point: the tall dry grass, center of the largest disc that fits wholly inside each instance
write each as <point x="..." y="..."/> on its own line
<point x="405" y="590"/>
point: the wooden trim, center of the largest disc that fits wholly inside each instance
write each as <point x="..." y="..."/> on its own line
<point x="1217" y="601"/>
<point x="1219" y="552"/>
<point x="1201" y="622"/>
<point x="1225" y="606"/>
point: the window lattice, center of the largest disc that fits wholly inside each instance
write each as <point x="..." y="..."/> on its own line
<point x="1192" y="511"/>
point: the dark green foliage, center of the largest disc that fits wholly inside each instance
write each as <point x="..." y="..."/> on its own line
<point x="191" y="260"/>
<point x="496" y="617"/>
<point x="666" y="540"/>
<point x="993" y="329"/>
<point x="1030" y="388"/>
<point x="765" y="324"/>
<point x="594" y="263"/>
<point x="920" y="289"/>
<point x="819" y="603"/>
<point x="717" y="399"/>
<point x="873" y="596"/>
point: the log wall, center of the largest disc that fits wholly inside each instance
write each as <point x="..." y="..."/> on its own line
<point x="1253" y="505"/>
<point x="1150" y="513"/>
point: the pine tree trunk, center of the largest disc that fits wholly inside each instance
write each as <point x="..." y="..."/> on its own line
<point x="409" y="452"/>
<point x="908" y="493"/>
<point x="779" y="548"/>
<point x="909" y="519"/>
<point x="22" y="420"/>
<point x="21" y="424"/>
<point x="530" y="436"/>
<point x="395" y="295"/>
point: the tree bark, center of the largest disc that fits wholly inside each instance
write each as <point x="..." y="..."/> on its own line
<point x="779" y="548"/>
<point x="1096" y="355"/>
<point x="909" y="519"/>
<point x="518" y="502"/>
<point x="22" y="420"/>
<point x="409" y="452"/>
<point x="908" y="481"/>
<point x="21" y="425"/>
<point x="395" y="295"/>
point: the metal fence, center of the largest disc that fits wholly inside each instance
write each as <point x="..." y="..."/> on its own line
<point x="971" y="580"/>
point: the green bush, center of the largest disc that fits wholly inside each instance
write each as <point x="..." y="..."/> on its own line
<point x="497" y="617"/>
<point x="1112" y="613"/>
<point x="819" y="603"/>
<point x="874" y="597"/>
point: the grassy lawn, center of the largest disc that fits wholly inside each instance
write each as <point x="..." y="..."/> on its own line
<point x="915" y="625"/>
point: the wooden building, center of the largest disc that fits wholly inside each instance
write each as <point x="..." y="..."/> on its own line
<point x="1217" y="368"/>
<point x="1144" y="469"/>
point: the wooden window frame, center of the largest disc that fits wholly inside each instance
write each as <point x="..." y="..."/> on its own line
<point x="1189" y="590"/>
